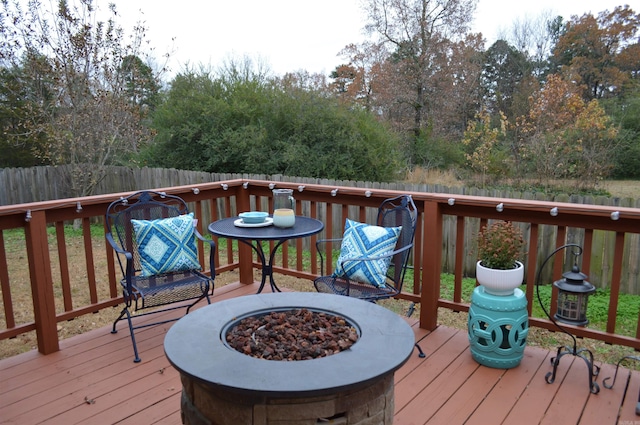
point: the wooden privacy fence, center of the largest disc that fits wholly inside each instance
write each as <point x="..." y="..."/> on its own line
<point x="23" y="185"/>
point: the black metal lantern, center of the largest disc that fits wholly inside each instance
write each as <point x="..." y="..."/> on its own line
<point x="573" y="296"/>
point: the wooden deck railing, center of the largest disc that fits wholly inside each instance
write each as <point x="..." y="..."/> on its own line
<point x="452" y="216"/>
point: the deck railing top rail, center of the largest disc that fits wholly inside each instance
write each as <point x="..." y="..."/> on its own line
<point x="444" y="241"/>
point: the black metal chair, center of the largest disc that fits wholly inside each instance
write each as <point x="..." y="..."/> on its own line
<point x="154" y="237"/>
<point x="393" y="212"/>
<point x="398" y="211"/>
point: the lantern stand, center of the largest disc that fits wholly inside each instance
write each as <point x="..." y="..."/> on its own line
<point x="609" y="386"/>
<point x="572" y="308"/>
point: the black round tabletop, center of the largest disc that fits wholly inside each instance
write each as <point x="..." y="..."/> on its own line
<point x="304" y="226"/>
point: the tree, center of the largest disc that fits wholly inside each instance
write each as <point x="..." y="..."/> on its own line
<point x="601" y="54"/>
<point x="419" y="34"/>
<point x="505" y="68"/>
<point x="564" y="137"/>
<point x="363" y="79"/>
<point x="142" y="86"/>
<point x="304" y="80"/>
<point x="97" y="88"/>
<point x="535" y="38"/>
<point x="487" y="156"/>
<point x="22" y="118"/>
<point x="625" y="113"/>
<point x="456" y="93"/>
<point x="594" y="139"/>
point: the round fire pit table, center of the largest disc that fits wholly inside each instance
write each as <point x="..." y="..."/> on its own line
<point x="223" y="386"/>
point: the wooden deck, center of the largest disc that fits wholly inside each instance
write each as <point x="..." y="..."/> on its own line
<point x="94" y="380"/>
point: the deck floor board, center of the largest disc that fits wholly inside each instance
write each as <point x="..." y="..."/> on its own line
<point x="93" y="379"/>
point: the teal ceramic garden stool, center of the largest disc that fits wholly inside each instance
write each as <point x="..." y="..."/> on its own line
<point x="498" y="328"/>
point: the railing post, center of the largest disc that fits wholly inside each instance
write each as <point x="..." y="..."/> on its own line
<point x="44" y="307"/>
<point x="245" y="253"/>
<point x="431" y="265"/>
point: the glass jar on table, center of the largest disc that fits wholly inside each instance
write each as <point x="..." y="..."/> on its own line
<point x="283" y="208"/>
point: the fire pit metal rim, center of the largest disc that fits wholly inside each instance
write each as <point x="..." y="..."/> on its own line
<point x="194" y="347"/>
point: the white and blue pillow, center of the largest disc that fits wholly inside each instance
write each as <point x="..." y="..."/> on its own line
<point x="166" y="245"/>
<point x="363" y="240"/>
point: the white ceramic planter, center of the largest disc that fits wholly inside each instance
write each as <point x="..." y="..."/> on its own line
<point x="500" y="282"/>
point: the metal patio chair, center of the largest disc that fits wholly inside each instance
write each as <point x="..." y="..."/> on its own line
<point x="154" y="237"/>
<point x="398" y="211"/>
<point x="392" y="213"/>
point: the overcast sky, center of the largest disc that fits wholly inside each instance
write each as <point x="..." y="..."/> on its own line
<point x="291" y="35"/>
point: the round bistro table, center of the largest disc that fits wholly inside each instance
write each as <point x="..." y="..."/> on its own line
<point x="253" y="236"/>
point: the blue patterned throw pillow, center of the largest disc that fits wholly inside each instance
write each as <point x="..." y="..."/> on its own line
<point x="363" y="240"/>
<point x="166" y="244"/>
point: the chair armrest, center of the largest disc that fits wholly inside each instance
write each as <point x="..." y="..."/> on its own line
<point x="116" y="246"/>
<point x="321" y="242"/>
<point x="128" y="269"/>
<point x="324" y="241"/>
<point x="212" y="250"/>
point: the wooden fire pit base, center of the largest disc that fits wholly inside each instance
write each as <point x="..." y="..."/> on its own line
<point x="202" y="404"/>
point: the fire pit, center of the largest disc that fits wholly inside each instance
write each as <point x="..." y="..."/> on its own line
<point x="222" y="386"/>
<point x="293" y="335"/>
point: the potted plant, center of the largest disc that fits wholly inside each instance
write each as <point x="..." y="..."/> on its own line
<point x="498" y="269"/>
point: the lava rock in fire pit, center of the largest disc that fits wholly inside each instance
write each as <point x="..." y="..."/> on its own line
<point x="299" y="334"/>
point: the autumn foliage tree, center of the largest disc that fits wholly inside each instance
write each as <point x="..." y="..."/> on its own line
<point x="487" y="155"/>
<point x="420" y="35"/>
<point x="601" y="54"/>
<point x="566" y="137"/>
<point x="362" y="81"/>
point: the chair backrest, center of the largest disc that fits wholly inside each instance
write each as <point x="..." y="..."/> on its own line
<point x="399" y="211"/>
<point x="143" y="205"/>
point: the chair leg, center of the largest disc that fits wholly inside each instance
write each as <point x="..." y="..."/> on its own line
<point x="122" y="313"/>
<point x="205" y="295"/>
<point x="136" y="358"/>
<point x="412" y="308"/>
<point x="125" y="311"/>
